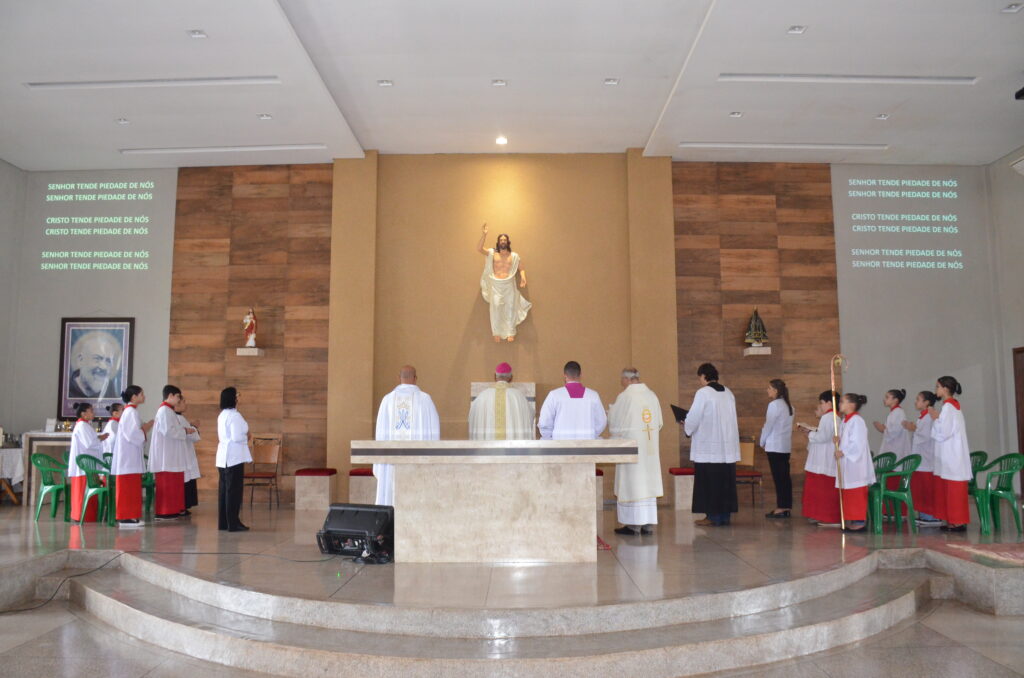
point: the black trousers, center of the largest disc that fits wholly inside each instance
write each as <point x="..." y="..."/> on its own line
<point x="779" y="463"/>
<point x="191" y="493"/>
<point x="229" y="496"/>
<point x="714" y="489"/>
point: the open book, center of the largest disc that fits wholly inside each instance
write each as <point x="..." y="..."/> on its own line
<point x="807" y="427"/>
<point x="680" y="413"/>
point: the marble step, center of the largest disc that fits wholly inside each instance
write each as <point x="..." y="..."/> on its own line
<point x="173" y="622"/>
<point x="504" y="623"/>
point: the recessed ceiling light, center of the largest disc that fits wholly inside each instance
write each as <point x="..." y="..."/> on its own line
<point x="882" y="116"/>
<point x="265" y="116"/>
<point x="796" y="30"/>
<point x="1012" y="8"/>
<point x="736" y="114"/>
<point x="385" y="83"/>
<point x="501" y="141"/>
<point x="611" y="81"/>
<point x="499" y="83"/>
<point x="123" y="121"/>
<point x="197" y="34"/>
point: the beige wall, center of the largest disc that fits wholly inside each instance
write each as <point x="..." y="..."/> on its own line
<point x="569" y="216"/>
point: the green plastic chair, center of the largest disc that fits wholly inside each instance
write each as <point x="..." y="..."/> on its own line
<point x="978" y="461"/>
<point x="879" y="494"/>
<point x="884" y="462"/>
<point x="108" y="458"/>
<point x="1002" y="471"/>
<point x="149" y="486"/>
<point x="52" y="480"/>
<point x="66" y="456"/>
<point x="94" y="470"/>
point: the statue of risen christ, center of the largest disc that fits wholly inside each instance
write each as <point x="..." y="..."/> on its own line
<point x="498" y="287"/>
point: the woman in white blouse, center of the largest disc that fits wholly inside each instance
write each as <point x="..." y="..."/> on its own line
<point x="232" y="455"/>
<point x="777" y="442"/>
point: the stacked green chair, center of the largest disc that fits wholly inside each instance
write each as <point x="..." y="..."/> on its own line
<point x="998" y="485"/>
<point x="883" y="463"/>
<point x="52" y="480"/>
<point x="978" y="461"/>
<point x="879" y="494"/>
<point x="95" y="470"/>
<point x="149" y="486"/>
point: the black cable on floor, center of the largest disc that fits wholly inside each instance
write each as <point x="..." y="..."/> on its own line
<point x="57" y="588"/>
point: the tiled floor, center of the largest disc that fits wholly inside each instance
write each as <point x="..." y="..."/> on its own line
<point x="279" y="555"/>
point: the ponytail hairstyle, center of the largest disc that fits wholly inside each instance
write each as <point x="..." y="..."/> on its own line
<point x="130" y="392"/>
<point x="951" y="384"/>
<point x="783" y="392"/>
<point x="826" y="396"/>
<point x="229" y="398"/>
<point x="81" y="408"/>
<point x="114" y="408"/>
<point x="928" y="397"/>
<point x="899" y="394"/>
<point x="858" y="400"/>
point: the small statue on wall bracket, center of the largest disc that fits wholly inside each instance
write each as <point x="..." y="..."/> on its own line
<point x="757" y="334"/>
<point x="249" y="326"/>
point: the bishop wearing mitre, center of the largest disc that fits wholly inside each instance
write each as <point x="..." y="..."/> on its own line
<point x="501" y="412"/>
<point x="636" y="415"/>
<point x="407" y="413"/>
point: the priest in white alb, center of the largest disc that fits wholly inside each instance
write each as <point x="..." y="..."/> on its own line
<point x="407" y="413"/>
<point x="573" y="412"/>
<point x="636" y="415"/>
<point x="501" y="412"/>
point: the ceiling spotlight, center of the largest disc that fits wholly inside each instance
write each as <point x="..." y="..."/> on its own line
<point x="265" y="116"/>
<point x="1012" y="8"/>
<point x="882" y="116"/>
<point x="197" y="34"/>
<point x="123" y="121"/>
<point x="611" y="81"/>
<point x="499" y="83"/>
<point x="501" y="141"/>
<point x="796" y="30"/>
<point x="736" y="114"/>
<point x="385" y="83"/>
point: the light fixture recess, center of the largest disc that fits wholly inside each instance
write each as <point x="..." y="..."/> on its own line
<point x="611" y="81"/>
<point x="736" y="114"/>
<point x="197" y="34"/>
<point x="796" y="29"/>
<point x="265" y="116"/>
<point x="385" y="83"/>
<point x="123" y="121"/>
<point x="501" y="140"/>
<point x="499" y="83"/>
<point x="1012" y="8"/>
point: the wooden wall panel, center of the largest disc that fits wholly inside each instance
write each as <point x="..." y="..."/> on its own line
<point x="756" y="234"/>
<point x="254" y="236"/>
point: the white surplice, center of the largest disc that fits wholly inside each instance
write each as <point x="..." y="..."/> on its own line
<point x="131" y="439"/>
<point x="563" y="417"/>
<point x="83" y="441"/>
<point x="921" y="443"/>
<point x="636" y="415"/>
<point x="713" y="427"/>
<point x="952" y="455"/>
<point x="500" y="412"/>
<point x="407" y="413"/>
<point x="821" y="449"/>
<point x="111" y="430"/>
<point x="896" y="439"/>
<point x="856" y="463"/>
<point x="167" y="451"/>
<point x="191" y="461"/>
<point x="508" y="306"/>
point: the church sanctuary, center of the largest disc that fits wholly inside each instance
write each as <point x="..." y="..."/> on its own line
<point x="466" y="338"/>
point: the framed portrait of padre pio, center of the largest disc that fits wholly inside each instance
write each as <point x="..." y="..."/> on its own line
<point x="95" y="362"/>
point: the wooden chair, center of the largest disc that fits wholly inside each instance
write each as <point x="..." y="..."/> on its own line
<point x="266" y="465"/>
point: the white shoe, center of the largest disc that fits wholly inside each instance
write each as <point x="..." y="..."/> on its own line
<point x="130" y="524"/>
<point x="829" y="525"/>
<point x="929" y="523"/>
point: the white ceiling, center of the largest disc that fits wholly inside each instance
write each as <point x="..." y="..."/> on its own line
<point x="328" y="55"/>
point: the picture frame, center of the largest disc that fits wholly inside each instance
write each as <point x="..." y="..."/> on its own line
<point x="96" y="358"/>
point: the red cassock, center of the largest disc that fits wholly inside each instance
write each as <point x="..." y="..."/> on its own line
<point x="128" y="493"/>
<point x="170" y="493"/>
<point x="949" y="501"/>
<point x="821" y="498"/>
<point x="78" y="487"/>
<point x="855" y="504"/>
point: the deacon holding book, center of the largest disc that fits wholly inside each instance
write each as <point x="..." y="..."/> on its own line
<point x="501" y="412"/>
<point x="636" y="415"/>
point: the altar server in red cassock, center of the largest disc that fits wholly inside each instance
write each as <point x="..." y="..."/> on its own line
<point x="128" y="464"/>
<point x="109" y="436"/>
<point x="922" y="483"/>
<point x="856" y="465"/>
<point x="952" y="458"/>
<point x="168" y="457"/>
<point x="821" y="498"/>
<point x="83" y="441"/>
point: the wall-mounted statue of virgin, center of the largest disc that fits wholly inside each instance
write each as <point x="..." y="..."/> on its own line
<point x="498" y="286"/>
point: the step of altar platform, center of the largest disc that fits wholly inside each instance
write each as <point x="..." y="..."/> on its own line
<point x="174" y="622"/>
<point x="491" y="623"/>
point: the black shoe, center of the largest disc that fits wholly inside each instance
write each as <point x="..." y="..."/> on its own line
<point x="239" y="528"/>
<point x="646" y="530"/>
<point x="954" y="528"/>
<point x="184" y="513"/>
<point x="625" y="529"/>
<point x="781" y="514"/>
<point x="173" y="516"/>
